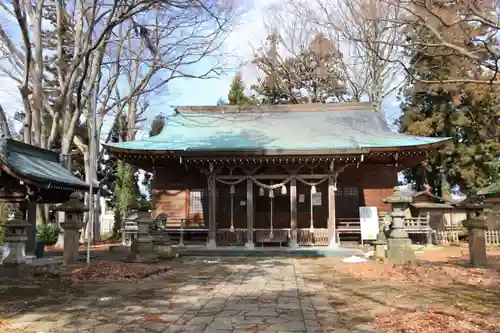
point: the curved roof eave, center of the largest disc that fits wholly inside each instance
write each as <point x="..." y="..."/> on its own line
<point x="264" y="152"/>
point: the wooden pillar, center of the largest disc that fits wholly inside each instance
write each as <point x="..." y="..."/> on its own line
<point x="31" y="242"/>
<point x="212" y="206"/>
<point x="332" y="241"/>
<point x="250" y="209"/>
<point x="293" y="213"/>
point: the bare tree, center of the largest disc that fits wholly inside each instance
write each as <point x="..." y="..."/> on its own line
<point x="462" y="29"/>
<point x="298" y="63"/>
<point x="4" y="124"/>
<point x="371" y="70"/>
<point x="142" y="57"/>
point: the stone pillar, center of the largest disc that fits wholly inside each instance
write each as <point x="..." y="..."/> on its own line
<point x="476" y="226"/>
<point x="16" y="235"/>
<point x="73" y="214"/>
<point x="399" y="247"/>
<point x="250" y="209"/>
<point x="142" y="247"/>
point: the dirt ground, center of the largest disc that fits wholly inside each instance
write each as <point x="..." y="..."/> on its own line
<point x="442" y="293"/>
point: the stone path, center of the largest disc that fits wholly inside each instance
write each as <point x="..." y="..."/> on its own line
<point x="252" y="295"/>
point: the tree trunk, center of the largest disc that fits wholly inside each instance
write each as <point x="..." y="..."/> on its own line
<point x="27" y="114"/>
<point x="86" y="219"/>
<point x="4" y="124"/>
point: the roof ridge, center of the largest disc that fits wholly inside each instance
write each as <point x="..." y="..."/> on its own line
<point x="311" y="107"/>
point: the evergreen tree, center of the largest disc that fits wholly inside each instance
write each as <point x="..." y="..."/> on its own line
<point x="221" y="101"/>
<point x="119" y="178"/>
<point x="157" y="125"/>
<point x="467" y="113"/>
<point x="236" y="95"/>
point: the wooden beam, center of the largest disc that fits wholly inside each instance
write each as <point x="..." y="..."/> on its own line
<point x="275" y="176"/>
<point x="250" y="210"/>
<point x="31" y="241"/>
<point x="293" y="214"/>
<point x="212" y="206"/>
<point x="332" y="241"/>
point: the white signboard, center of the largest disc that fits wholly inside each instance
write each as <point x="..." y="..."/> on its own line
<point x="316" y="199"/>
<point x="368" y="216"/>
<point x="302" y="198"/>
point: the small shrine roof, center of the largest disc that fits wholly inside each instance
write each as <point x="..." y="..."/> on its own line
<point x="490" y="191"/>
<point x="36" y="166"/>
<point x="432" y="205"/>
<point x="429" y="195"/>
<point x="309" y="128"/>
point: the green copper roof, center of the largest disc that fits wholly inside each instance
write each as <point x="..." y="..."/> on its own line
<point x="492" y="190"/>
<point x="273" y="128"/>
<point x="38" y="165"/>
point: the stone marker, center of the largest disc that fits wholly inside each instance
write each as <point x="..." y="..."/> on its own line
<point x="380" y="245"/>
<point x="399" y="249"/>
<point x="476" y="225"/>
<point x="73" y="222"/>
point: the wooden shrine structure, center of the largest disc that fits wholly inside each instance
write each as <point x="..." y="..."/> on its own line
<point x="31" y="175"/>
<point x="290" y="174"/>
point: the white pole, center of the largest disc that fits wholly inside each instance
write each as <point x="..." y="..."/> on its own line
<point x="92" y="149"/>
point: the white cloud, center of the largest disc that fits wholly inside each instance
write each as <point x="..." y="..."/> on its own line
<point x="249" y="35"/>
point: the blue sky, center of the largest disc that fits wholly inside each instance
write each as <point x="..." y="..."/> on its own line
<point x="246" y="36"/>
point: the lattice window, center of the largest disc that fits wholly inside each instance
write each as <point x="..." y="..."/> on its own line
<point x="347" y="202"/>
<point x="348" y="191"/>
<point x="196" y="197"/>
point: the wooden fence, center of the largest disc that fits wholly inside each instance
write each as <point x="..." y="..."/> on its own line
<point x="318" y="236"/>
<point x="492" y="237"/>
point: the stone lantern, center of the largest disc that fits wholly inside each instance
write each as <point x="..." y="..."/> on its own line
<point x="476" y="225"/>
<point x="73" y="221"/>
<point x="129" y="230"/>
<point x="399" y="247"/>
<point x="16" y="235"/>
<point x="142" y="246"/>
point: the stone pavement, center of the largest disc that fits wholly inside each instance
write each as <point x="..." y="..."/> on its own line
<point x="246" y="295"/>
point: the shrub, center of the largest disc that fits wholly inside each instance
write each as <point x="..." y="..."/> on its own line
<point x="2" y="223"/>
<point x="47" y="233"/>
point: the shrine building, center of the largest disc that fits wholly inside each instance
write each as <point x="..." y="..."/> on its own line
<point x="293" y="173"/>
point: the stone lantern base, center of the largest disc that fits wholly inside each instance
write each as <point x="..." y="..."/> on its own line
<point x="142" y="247"/>
<point x="143" y="251"/>
<point x="400" y="251"/>
<point x="477" y="242"/>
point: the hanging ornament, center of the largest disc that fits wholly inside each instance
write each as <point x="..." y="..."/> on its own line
<point x="313" y="189"/>
<point x="271" y="193"/>
<point x="261" y="192"/>
<point x="283" y="190"/>
<point x="232" y="191"/>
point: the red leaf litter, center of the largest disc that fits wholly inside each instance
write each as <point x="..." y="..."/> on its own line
<point x="105" y="270"/>
<point x="436" y="320"/>
<point x="426" y="273"/>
